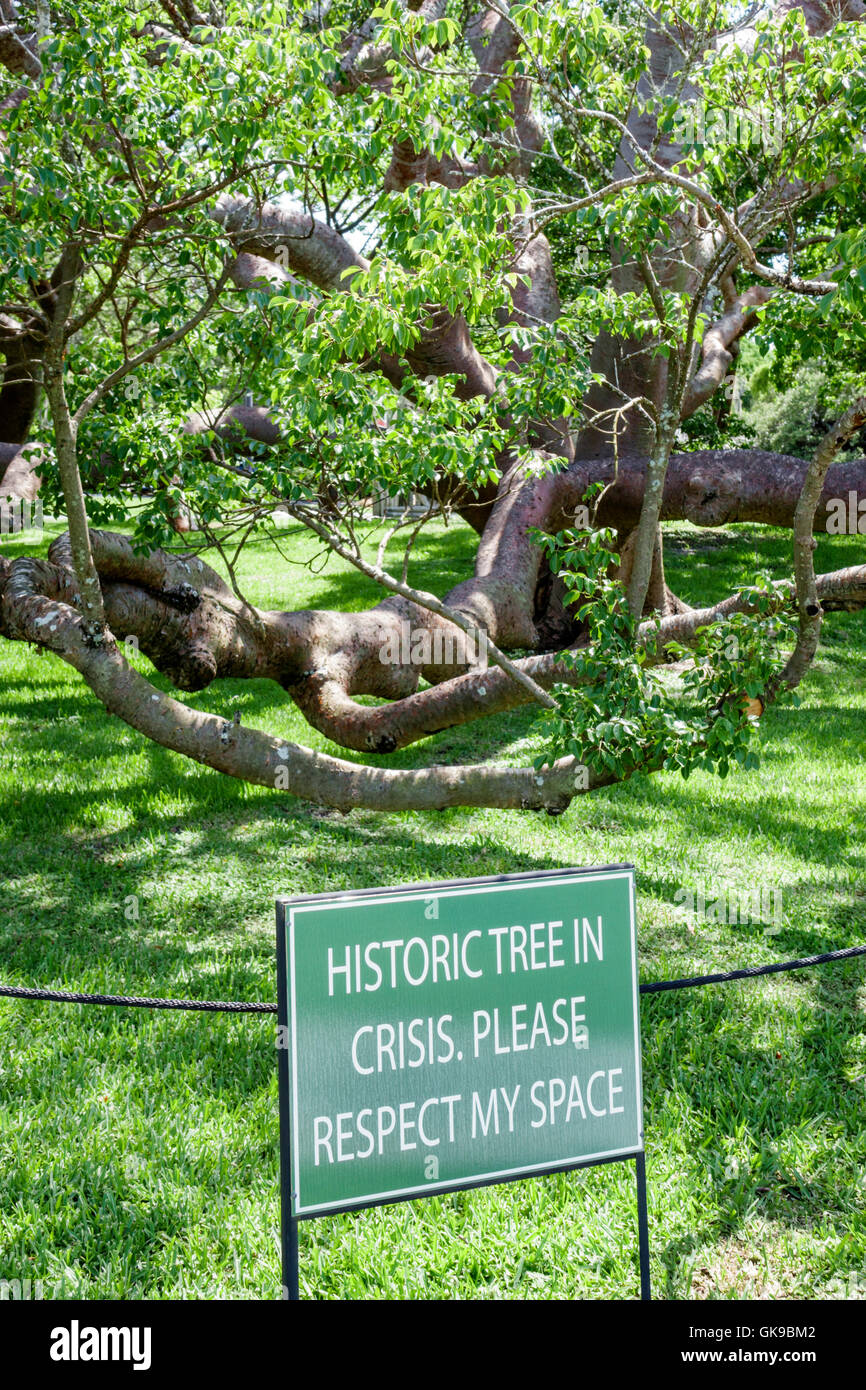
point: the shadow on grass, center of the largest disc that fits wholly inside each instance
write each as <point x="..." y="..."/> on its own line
<point x="781" y="1098"/>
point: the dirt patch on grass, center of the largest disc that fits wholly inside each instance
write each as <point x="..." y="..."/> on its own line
<point x="741" y="1269"/>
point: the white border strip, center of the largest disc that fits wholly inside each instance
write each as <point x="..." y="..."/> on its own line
<point x="477" y="1179"/>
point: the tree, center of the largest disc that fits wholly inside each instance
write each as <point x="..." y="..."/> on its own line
<point x="499" y="257"/>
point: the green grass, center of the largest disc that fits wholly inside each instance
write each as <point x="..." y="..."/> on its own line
<point x="139" y="1150"/>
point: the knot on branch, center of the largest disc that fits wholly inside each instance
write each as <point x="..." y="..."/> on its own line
<point x="705" y="504"/>
<point x="381" y="743"/>
<point x="97" y="639"/>
<point x="183" y="597"/>
<point x="192" y="668"/>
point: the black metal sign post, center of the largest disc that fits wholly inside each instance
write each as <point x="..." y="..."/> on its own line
<point x="642" y="1226"/>
<point x="326" y="933"/>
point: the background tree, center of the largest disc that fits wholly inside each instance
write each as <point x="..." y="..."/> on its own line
<point x="498" y="257"/>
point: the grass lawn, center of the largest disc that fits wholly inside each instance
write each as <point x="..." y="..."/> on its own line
<point x="139" y="1150"/>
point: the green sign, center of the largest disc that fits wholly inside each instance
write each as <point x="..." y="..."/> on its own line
<point x="458" y="1033"/>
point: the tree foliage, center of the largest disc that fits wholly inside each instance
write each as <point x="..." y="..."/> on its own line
<point x="502" y="257"/>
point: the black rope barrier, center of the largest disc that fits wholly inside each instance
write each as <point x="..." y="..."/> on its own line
<point x="657" y="986"/>
<point x="134" y="1001"/>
